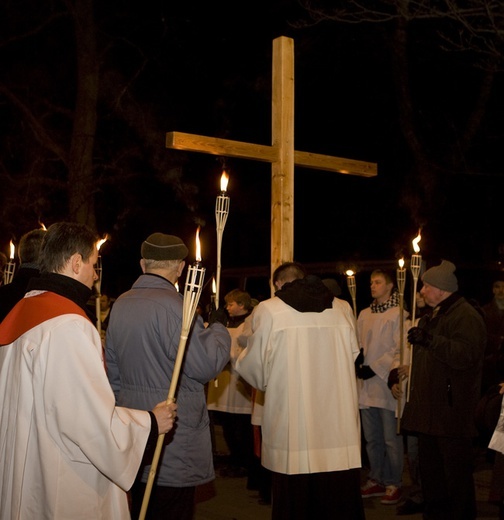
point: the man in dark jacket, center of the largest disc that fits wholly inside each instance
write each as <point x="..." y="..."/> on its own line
<point x="28" y="253"/>
<point x="448" y="348"/>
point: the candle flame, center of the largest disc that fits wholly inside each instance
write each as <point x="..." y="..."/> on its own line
<point x="198" y="246"/>
<point x="12" y="250"/>
<point x="349" y="273"/>
<point x="224" y="180"/>
<point x="416" y="247"/>
<point x="41" y="224"/>
<point x="401" y="263"/>
<point x="214" y="286"/>
<point x="101" y="242"/>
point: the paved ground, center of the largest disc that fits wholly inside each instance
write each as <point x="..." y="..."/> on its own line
<point x="228" y="498"/>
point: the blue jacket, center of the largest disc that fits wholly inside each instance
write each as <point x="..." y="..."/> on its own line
<point x="141" y="347"/>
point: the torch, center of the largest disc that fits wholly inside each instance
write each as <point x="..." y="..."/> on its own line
<point x="192" y="293"/>
<point x="415" y="265"/>
<point x="98" y="282"/>
<point x="353" y="290"/>
<point x="401" y="280"/>
<point x="10" y="267"/>
<point x="221" y="215"/>
<point x="214" y="291"/>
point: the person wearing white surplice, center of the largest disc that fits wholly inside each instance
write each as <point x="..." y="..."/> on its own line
<point x="229" y="397"/>
<point x="66" y="450"/>
<point x="301" y="352"/>
<point x="378" y="329"/>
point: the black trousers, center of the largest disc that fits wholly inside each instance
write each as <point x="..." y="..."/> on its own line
<point x="324" y="496"/>
<point x="165" y="502"/>
<point x="446" y="474"/>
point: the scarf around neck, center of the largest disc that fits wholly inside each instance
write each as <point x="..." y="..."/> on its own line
<point x="393" y="301"/>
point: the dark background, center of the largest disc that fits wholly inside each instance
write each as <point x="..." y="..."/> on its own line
<point x="205" y="68"/>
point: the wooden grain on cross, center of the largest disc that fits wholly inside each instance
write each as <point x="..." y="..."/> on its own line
<point x="281" y="154"/>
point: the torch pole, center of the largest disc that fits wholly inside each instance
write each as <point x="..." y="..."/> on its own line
<point x="401" y="280"/>
<point x="221" y="215"/>
<point x="98" y="283"/>
<point x="352" y="288"/>
<point x="416" y="263"/>
<point x="192" y="293"/>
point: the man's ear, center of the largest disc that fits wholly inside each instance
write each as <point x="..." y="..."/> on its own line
<point x="180" y="268"/>
<point x="142" y="265"/>
<point x="76" y="263"/>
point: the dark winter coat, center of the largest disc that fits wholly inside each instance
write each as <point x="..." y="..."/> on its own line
<point x="446" y="376"/>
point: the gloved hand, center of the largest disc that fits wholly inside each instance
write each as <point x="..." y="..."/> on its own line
<point x="365" y="372"/>
<point x="218" y="315"/>
<point x="359" y="359"/>
<point x="393" y="378"/>
<point x="418" y="336"/>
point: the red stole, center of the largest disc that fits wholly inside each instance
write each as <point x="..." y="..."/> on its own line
<point x="34" y="310"/>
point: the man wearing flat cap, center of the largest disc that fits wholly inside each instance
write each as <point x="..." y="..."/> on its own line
<point x="141" y="348"/>
<point x="448" y="349"/>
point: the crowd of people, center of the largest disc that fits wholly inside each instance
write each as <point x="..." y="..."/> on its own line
<point x="319" y="408"/>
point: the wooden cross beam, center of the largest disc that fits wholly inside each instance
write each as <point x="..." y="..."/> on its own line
<point x="281" y="154"/>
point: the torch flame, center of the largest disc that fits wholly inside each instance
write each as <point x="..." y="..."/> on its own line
<point x="198" y="246"/>
<point x="12" y="250"/>
<point x="214" y="286"/>
<point x="101" y="242"/>
<point x="401" y="263"/>
<point x="349" y="273"/>
<point x="224" y="180"/>
<point x="416" y="248"/>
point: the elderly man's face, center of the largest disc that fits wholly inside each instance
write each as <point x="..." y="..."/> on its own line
<point x="432" y="295"/>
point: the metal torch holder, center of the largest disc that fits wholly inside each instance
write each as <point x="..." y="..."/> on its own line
<point x="221" y="215"/>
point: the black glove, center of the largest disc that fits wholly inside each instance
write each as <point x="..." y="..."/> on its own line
<point x="393" y="378"/>
<point x="219" y="315"/>
<point x="359" y="359"/>
<point x="365" y="372"/>
<point x="418" y="336"/>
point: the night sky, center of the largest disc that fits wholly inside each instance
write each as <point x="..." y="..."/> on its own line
<point x="207" y="71"/>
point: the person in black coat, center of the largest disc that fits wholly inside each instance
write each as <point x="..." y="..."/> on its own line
<point x="448" y="349"/>
<point x="28" y="254"/>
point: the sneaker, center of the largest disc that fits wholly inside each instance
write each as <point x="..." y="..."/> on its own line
<point x="392" y="496"/>
<point x="372" y="489"/>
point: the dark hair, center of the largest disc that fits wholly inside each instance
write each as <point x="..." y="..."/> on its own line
<point x="240" y="297"/>
<point x="290" y="271"/>
<point x="30" y="244"/>
<point x="387" y="275"/>
<point x="61" y="241"/>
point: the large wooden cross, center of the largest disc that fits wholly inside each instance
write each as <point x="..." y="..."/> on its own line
<point x="281" y="154"/>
